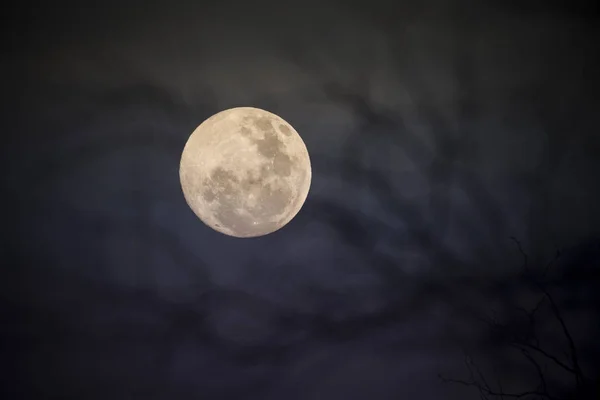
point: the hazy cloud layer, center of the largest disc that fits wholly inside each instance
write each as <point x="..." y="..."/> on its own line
<point x="435" y="133"/>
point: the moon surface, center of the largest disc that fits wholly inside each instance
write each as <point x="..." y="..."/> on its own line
<point x="245" y="172"/>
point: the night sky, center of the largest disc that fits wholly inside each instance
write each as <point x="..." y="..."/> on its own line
<point x="451" y="231"/>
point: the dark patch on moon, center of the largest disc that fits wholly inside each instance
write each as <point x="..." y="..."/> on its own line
<point x="216" y="184"/>
<point x="285" y="130"/>
<point x="228" y="194"/>
<point x="282" y="165"/>
<point x="208" y="194"/>
<point x="271" y="147"/>
<point x="221" y="175"/>
<point x="264" y="124"/>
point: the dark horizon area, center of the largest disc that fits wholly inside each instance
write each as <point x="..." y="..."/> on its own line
<point x="448" y="249"/>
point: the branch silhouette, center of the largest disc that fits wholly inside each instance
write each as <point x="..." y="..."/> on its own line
<point x="526" y="340"/>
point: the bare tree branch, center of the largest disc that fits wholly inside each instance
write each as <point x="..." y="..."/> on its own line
<point x="575" y="369"/>
<point x="523" y="254"/>
<point x="490" y="392"/>
<point x="552" y="262"/>
<point x="527" y="343"/>
<point x="574" y="359"/>
<point x="543" y="385"/>
<point x="543" y="352"/>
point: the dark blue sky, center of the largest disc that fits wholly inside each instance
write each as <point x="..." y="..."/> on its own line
<point x="437" y="130"/>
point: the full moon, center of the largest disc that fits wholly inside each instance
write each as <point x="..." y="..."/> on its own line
<point x="245" y="172"/>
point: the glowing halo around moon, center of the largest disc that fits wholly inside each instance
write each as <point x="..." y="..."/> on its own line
<point x="245" y="172"/>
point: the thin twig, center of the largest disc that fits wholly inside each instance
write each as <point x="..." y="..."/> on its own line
<point x="518" y="243"/>
<point x="574" y="359"/>
<point x="544" y="387"/>
<point x="544" y="353"/>
<point x="556" y="257"/>
<point x="493" y="392"/>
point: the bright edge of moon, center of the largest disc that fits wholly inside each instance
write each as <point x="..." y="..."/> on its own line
<point x="245" y="172"/>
